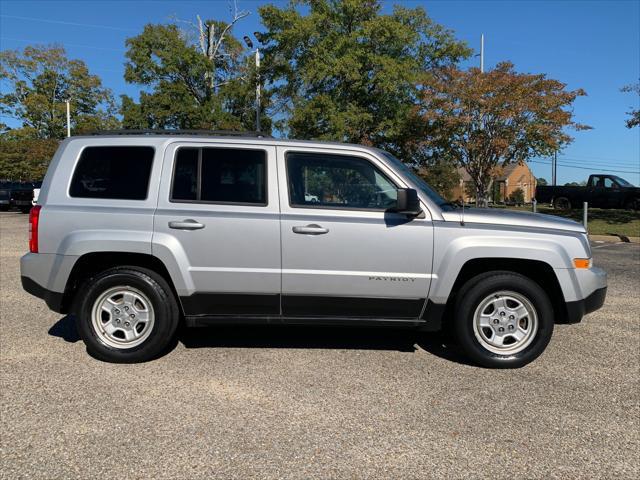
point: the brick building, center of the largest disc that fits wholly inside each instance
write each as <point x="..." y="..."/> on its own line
<point x="507" y="180"/>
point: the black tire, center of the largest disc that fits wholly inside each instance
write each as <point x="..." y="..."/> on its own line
<point x="562" y="203"/>
<point x="165" y="311"/>
<point x="479" y="288"/>
<point x="632" y="204"/>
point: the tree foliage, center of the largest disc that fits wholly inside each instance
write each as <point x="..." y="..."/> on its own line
<point x="442" y="175"/>
<point x="517" y="196"/>
<point x="194" y="78"/>
<point x="23" y="157"/>
<point x="344" y="71"/>
<point x="487" y="120"/>
<point x="41" y="79"/>
<point x="634" y="113"/>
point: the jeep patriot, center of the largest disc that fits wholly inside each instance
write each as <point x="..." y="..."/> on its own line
<point x="135" y="232"/>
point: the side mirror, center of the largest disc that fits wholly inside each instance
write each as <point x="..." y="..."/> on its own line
<point x="408" y="202"/>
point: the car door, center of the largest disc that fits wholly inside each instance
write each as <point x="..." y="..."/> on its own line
<point x="218" y="223"/>
<point x="598" y="196"/>
<point x="612" y="196"/>
<point x="344" y="254"/>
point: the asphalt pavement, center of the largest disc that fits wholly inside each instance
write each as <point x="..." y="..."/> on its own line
<point x="293" y="402"/>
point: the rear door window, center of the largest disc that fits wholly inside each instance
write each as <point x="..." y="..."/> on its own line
<point x="120" y="173"/>
<point x="220" y="175"/>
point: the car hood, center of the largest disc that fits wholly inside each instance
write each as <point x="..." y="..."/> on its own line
<point x="494" y="216"/>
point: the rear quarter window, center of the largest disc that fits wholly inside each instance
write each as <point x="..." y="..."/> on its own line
<point x="120" y="173"/>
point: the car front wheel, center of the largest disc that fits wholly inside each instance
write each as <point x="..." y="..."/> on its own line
<point x="503" y="320"/>
<point x="126" y="315"/>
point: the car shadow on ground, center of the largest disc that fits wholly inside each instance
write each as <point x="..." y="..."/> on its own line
<point x="65" y="328"/>
<point x="298" y="337"/>
<point x="325" y="337"/>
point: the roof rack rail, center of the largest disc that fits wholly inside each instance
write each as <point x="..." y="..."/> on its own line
<point x="213" y="133"/>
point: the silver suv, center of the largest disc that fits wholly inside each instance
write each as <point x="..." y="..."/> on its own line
<point x="135" y="233"/>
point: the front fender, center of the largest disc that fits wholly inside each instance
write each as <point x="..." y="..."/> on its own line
<point x="454" y="247"/>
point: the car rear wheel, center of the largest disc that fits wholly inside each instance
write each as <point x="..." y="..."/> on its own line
<point x="503" y="320"/>
<point x="126" y="315"/>
<point x="562" y="203"/>
<point x="632" y="204"/>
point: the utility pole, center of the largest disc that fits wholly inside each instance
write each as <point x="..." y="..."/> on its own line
<point x="249" y="43"/>
<point x="554" y="168"/>
<point x="68" y="118"/>
<point x="482" y="53"/>
<point x="257" y="89"/>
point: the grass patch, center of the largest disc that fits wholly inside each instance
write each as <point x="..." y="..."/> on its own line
<point x="601" y="221"/>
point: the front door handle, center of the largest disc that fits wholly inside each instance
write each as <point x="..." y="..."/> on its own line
<point x="188" y="224"/>
<point x="312" y="229"/>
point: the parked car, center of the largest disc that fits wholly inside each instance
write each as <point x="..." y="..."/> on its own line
<point x="5" y="197"/>
<point x="21" y="197"/>
<point x="311" y="198"/>
<point x="211" y="229"/>
<point x="601" y="191"/>
<point x="16" y="195"/>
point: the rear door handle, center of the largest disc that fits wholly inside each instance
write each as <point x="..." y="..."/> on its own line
<point x="188" y="224"/>
<point x="312" y="229"/>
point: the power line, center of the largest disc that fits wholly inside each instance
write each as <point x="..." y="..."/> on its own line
<point x="587" y="168"/>
<point x="75" y="45"/>
<point x="585" y="162"/>
<point x="74" y="24"/>
<point x="596" y="158"/>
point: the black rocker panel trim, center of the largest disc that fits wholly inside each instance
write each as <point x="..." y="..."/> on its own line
<point x="364" y="307"/>
<point x="300" y="306"/>
<point x="214" y="320"/>
<point x="231" y="304"/>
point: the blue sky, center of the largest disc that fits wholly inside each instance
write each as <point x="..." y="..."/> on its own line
<point x="593" y="45"/>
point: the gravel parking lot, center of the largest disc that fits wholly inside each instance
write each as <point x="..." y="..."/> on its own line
<point x="287" y="402"/>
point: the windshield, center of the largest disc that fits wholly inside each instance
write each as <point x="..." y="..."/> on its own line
<point x="423" y="186"/>
<point x="621" y="181"/>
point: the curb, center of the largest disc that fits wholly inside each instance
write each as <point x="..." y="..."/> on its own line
<point x="614" y="238"/>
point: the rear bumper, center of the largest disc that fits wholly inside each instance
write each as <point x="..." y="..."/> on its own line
<point x="45" y="276"/>
<point x="52" y="299"/>
<point x="578" y="309"/>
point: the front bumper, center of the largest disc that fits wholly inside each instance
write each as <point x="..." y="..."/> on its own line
<point x="578" y="309"/>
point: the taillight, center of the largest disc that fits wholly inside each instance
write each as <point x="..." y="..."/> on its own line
<point x="34" y="218"/>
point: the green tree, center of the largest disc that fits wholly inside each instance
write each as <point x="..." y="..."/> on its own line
<point x="517" y="196"/>
<point x="487" y="120"/>
<point x="23" y="157"/>
<point x="195" y="77"/>
<point x="442" y="175"/>
<point x="542" y="181"/>
<point x="342" y="70"/>
<point x="634" y="113"/>
<point x="41" y="79"/>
